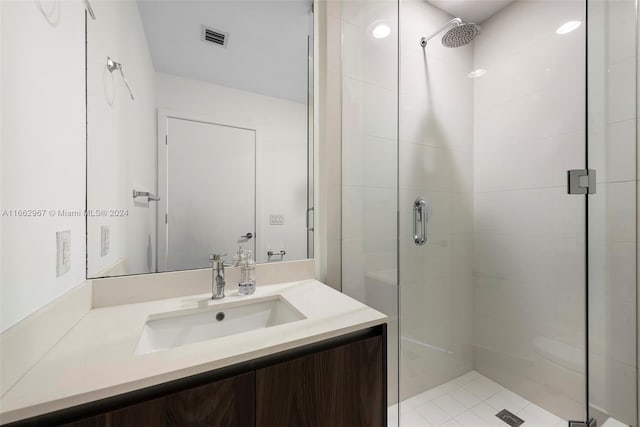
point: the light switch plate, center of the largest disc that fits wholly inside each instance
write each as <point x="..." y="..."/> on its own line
<point x="276" y="219"/>
<point x="63" y="252"/>
<point x="104" y="240"/>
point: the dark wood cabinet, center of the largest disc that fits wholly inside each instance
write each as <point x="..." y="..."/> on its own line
<point x="336" y="383"/>
<point x="333" y="388"/>
<point x="228" y="403"/>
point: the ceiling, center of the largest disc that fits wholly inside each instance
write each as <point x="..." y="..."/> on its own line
<point x="471" y="10"/>
<point x="266" y="51"/>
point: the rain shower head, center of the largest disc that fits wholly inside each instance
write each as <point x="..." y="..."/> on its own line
<point x="460" y="34"/>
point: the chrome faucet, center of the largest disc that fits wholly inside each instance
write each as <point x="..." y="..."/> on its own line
<point x="217" y="276"/>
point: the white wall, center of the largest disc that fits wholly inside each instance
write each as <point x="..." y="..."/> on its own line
<point x="43" y="149"/>
<point x="283" y="133"/>
<point x="528" y="233"/>
<point x="436" y="147"/>
<point x="121" y="146"/>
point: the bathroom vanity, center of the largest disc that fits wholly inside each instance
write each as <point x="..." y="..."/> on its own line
<point x="337" y="382"/>
<point x="297" y="353"/>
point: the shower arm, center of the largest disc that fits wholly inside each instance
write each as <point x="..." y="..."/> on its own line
<point x="424" y="40"/>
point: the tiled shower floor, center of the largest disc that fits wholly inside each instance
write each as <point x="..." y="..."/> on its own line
<point x="471" y="400"/>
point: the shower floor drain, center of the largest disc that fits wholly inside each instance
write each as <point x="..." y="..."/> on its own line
<point x="509" y="418"/>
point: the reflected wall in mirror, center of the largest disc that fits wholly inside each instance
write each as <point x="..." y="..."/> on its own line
<point x="198" y="133"/>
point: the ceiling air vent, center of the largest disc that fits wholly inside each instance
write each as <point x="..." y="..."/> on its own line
<point x="217" y="37"/>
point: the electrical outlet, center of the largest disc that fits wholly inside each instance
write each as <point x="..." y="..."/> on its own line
<point x="63" y="253"/>
<point x="276" y="219"/>
<point x="104" y="240"/>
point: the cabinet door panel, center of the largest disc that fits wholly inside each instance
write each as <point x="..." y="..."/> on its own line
<point x="338" y="387"/>
<point x="229" y="403"/>
<point x="97" y="421"/>
<point x="225" y="403"/>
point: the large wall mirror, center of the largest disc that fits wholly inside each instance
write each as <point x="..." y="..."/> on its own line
<point x="199" y="135"/>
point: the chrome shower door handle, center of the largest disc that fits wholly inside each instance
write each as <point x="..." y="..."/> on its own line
<point x="420" y="218"/>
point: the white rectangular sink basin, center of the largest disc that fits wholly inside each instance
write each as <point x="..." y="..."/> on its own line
<point x="174" y="329"/>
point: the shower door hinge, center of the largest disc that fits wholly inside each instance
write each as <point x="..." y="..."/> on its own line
<point x="591" y="423"/>
<point x="581" y="181"/>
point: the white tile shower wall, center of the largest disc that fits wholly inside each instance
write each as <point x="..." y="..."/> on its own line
<point x="43" y="151"/>
<point x="528" y="233"/>
<point x="121" y="143"/>
<point x="369" y="161"/>
<point x="436" y="148"/>
<point x="612" y="210"/>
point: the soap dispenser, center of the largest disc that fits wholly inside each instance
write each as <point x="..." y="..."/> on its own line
<point x="247" y="284"/>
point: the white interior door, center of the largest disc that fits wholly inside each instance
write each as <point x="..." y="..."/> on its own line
<point x="210" y="192"/>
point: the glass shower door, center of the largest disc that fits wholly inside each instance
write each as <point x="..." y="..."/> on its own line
<point x="492" y="306"/>
<point x="612" y="292"/>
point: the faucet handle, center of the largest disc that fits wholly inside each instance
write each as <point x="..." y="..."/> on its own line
<point x="216" y="257"/>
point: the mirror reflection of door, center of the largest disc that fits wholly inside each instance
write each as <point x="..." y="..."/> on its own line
<point x="210" y="193"/>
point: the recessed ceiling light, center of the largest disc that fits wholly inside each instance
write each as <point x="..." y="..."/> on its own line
<point x="477" y="73"/>
<point x="380" y="30"/>
<point x="567" y="27"/>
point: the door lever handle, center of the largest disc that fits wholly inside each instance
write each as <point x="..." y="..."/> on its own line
<point x="247" y="236"/>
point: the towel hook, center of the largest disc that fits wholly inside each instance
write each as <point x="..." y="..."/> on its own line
<point x="112" y="66"/>
<point x="87" y="5"/>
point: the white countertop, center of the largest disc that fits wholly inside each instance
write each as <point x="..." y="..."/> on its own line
<point x="96" y="358"/>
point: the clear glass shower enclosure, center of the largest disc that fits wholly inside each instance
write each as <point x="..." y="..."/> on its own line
<point x="518" y="280"/>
